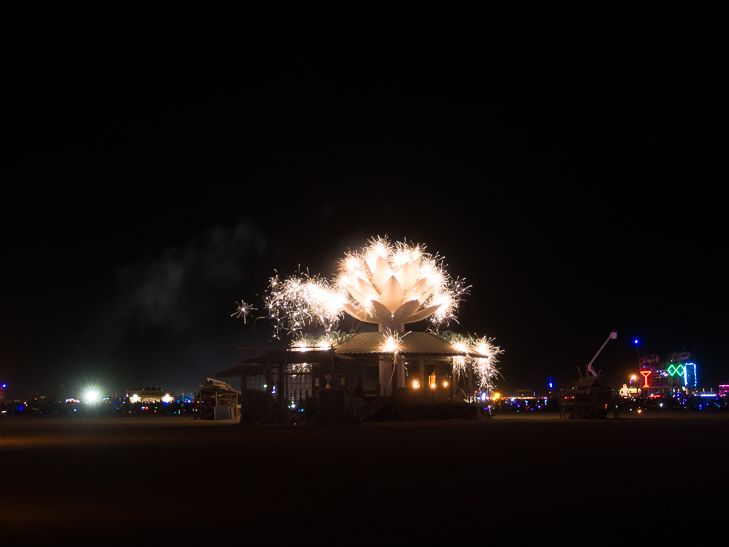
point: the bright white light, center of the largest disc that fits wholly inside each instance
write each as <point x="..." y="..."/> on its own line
<point x="92" y="396"/>
<point x="392" y="343"/>
<point x="382" y="283"/>
<point x="397" y="283"/>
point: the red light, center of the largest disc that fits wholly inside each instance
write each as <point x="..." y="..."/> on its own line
<point x="645" y="374"/>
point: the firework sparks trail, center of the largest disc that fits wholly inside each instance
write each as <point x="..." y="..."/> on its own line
<point x="392" y="342"/>
<point x="482" y="354"/>
<point x="297" y="301"/>
<point x="383" y="283"/>
<point x="322" y="343"/>
<point x="398" y="283"/>
<point x="243" y="310"/>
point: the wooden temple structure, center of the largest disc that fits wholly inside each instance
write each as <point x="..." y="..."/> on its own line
<point x="345" y="382"/>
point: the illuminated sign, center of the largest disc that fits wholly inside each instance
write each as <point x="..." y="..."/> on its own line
<point x="674" y="370"/>
<point x="645" y="374"/>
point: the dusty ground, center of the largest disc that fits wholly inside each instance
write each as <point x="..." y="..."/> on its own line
<point x="138" y="478"/>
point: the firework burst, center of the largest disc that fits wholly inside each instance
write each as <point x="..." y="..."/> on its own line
<point x="392" y="342"/>
<point x="307" y="343"/>
<point x="382" y="283"/>
<point x="398" y="283"/>
<point x="481" y="354"/>
<point x="243" y="310"/>
<point x="301" y="300"/>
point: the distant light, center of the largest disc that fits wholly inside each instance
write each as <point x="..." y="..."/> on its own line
<point x="92" y="396"/>
<point x="5" y="385"/>
<point x="416" y="384"/>
<point x="635" y="341"/>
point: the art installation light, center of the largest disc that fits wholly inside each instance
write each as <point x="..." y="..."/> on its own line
<point x="645" y="374"/>
<point x="388" y="284"/>
<point x="397" y="284"/>
<point x="384" y="283"/>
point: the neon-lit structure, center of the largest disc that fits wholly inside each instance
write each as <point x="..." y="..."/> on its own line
<point x="645" y="374"/>
<point x="681" y="365"/>
<point x="678" y="372"/>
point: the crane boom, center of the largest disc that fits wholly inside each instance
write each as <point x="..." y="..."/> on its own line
<point x="613" y="336"/>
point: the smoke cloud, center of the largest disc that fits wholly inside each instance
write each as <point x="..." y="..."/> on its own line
<point x="186" y="283"/>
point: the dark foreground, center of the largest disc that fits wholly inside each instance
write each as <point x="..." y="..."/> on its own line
<point x="140" y="479"/>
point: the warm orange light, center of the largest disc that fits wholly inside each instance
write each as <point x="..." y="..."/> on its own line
<point x="432" y="386"/>
<point x="445" y="383"/>
<point x="416" y="384"/>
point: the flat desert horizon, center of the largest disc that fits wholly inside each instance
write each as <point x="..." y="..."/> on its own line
<point x="90" y="478"/>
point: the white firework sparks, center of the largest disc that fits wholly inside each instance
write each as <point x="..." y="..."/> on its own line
<point x="383" y="283"/>
<point x="322" y="343"/>
<point x="243" y="310"/>
<point x="301" y="300"/>
<point x="392" y="342"/>
<point x="400" y="283"/>
<point x="482" y="355"/>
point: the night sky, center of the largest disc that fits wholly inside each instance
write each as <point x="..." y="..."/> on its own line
<point x="576" y="187"/>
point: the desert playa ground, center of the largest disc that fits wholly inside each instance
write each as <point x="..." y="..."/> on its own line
<point x="147" y="480"/>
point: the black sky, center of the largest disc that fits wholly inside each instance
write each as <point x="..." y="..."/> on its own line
<point x="575" y="183"/>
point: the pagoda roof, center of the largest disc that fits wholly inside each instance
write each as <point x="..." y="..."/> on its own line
<point x="412" y="343"/>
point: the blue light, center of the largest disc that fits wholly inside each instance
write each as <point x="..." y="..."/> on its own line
<point x="635" y="341"/>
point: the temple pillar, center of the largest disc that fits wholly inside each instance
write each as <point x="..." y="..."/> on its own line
<point x="388" y="361"/>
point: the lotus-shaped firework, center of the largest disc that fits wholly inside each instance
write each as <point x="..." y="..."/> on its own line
<point x="383" y="283"/>
<point x="399" y="283"/>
